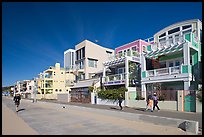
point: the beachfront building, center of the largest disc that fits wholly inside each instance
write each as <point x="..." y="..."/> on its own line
<point x="123" y="69"/>
<point x="69" y="60"/>
<point x="51" y="82"/>
<point x="171" y="65"/>
<point x="88" y="63"/>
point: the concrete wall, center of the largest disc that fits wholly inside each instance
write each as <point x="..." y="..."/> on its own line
<point x="46" y="96"/>
<point x="63" y="97"/>
<point x="163" y="105"/>
<point x="198" y="106"/>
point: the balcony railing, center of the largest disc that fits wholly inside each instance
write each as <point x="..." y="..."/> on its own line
<point x="74" y="67"/>
<point x="115" y="77"/>
<point x="128" y="53"/>
<point x="164" y="71"/>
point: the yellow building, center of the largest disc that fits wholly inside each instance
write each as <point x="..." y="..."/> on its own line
<point x="51" y="82"/>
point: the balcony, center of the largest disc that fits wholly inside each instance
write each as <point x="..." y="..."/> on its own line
<point x="116" y="77"/>
<point x="74" y="67"/>
<point x="130" y="53"/>
<point x="176" y="73"/>
<point x="164" y="71"/>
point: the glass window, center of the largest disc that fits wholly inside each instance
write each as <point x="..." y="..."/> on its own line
<point x="134" y="48"/>
<point x="171" y="64"/>
<point x="92" y="63"/>
<point x="121" y="70"/>
<point x="173" y="30"/>
<point x="162" y="64"/>
<point x="177" y="63"/>
<point x="162" y="35"/>
<point x="185" y="27"/>
<point x="83" y="52"/>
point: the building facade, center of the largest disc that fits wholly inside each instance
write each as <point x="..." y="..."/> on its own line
<point x="52" y="82"/>
<point x="171" y="63"/>
<point x="69" y="60"/>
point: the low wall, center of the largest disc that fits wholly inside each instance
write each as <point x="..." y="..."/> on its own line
<point x="164" y="105"/>
<point x="46" y="96"/>
<point x="198" y="106"/>
<point x="108" y="102"/>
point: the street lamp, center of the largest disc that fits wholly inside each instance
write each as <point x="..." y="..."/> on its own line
<point x="35" y="89"/>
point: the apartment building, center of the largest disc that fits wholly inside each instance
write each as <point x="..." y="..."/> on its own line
<point x="51" y="82"/>
<point x="172" y="62"/>
<point x="89" y="62"/>
<point x="69" y="60"/>
<point x="123" y="69"/>
<point x="89" y="58"/>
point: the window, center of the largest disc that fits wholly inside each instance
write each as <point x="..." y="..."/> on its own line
<point x="108" y="52"/>
<point x="177" y="38"/>
<point x="60" y="90"/>
<point x="170" y="40"/>
<point x="185" y="27"/>
<point x="200" y="34"/>
<point x="121" y="70"/>
<point x="120" y="53"/>
<point x="173" y="30"/>
<point x="171" y="64"/>
<point x="134" y="48"/>
<point x="29" y="87"/>
<point x="83" y="52"/>
<point x="187" y="32"/>
<point x="177" y="63"/>
<point x="162" y="35"/>
<point x="162" y="64"/>
<point x="56" y="90"/>
<point x="92" y="63"/>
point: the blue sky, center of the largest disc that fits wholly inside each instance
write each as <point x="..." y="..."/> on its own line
<point x="36" y="34"/>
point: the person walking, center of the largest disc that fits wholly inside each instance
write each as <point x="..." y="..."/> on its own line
<point x="155" y="102"/>
<point x="120" y="100"/>
<point x="149" y="100"/>
<point x="16" y="100"/>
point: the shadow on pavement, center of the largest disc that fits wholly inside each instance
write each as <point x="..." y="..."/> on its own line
<point x="21" y="109"/>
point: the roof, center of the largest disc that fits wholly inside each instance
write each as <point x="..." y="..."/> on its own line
<point x="84" y="83"/>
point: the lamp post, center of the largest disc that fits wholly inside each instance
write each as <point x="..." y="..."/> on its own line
<point x="35" y="90"/>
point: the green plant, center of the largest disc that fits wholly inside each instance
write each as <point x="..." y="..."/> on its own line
<point x="112" y="94"/>
<point x="91" y="88"/>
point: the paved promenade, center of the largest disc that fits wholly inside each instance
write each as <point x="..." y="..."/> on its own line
<point x="46" y="118"/>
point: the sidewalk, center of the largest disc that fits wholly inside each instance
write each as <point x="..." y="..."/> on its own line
<point x="14" y="125"/>
<point x="162" y="113"/>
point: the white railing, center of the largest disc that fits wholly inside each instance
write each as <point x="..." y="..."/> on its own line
<point x="130" y="53"/>
<point x="114" y="77"/>
<point x="168" y="42"/>
<point x="74" y="67"/>
<point x="164" y="71"/>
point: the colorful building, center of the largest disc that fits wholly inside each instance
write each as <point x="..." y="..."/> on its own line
<point x="172" y="63"/>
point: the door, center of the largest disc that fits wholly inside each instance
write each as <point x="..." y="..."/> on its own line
<point x="189" y="105"/>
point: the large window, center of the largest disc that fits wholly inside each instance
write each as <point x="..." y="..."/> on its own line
<point x="173" y="30"/>
<point x="80" y="53"/>
<point x="186" y="26"/>
<point x="92" y="63"/>
<point x="162" y="35"/>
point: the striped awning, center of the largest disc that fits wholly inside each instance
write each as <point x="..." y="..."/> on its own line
<point x="163" y="51"/>
<point x="113" y="62"/>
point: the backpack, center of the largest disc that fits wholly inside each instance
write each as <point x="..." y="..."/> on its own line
<point x="16" y="99"/>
